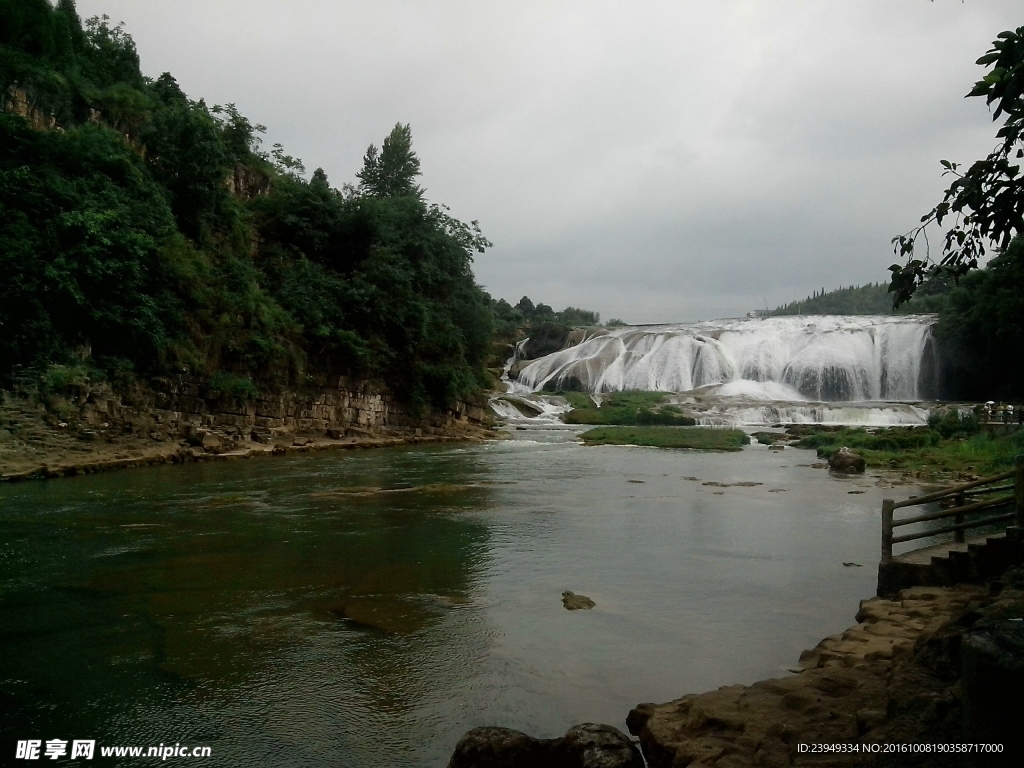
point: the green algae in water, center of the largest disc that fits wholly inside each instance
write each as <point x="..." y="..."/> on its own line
<point x="697" y="438"/>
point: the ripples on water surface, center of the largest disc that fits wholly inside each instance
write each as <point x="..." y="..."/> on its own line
<point x="363" y="609"/>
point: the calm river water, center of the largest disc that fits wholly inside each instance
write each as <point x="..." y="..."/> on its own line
<point x="367" y="608"/>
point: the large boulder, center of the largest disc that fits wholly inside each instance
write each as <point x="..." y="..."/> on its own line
<point x="493" y="747"/>
<point x="845" y="460"/>
<point x="574" y="602"/>
<point x="591" y="745"/>
<point x="588" y="745"/>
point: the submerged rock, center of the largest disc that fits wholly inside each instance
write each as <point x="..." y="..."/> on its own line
<point x="574" y="602"/>
<point x="845" y="460"/>
<point x="588" y="745"/>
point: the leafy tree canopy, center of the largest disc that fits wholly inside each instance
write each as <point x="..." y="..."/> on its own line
<point x="392" y="171"/>
<point x="151" y="232"/>
<point x="985" y="202"/>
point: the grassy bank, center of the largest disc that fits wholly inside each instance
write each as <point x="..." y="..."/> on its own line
<point x="938" y="449"/>
<point x="698" y="438"/>
<point x="625" y="408"/>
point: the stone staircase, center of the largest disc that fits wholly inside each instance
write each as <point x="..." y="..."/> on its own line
<point x="976" y="560"/>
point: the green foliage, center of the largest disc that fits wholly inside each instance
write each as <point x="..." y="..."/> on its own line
<point x="232" y="387"/>
<point x="546" y="328"/>
<point x="63" y="379"/>
<point x="954" y="424"/>
<point x="541" y="313"/>
<point x="870" y="299"/>
<point x="83" y="224"/>
<point x="892" y="439"/>
<point x="625" y="408"/>
<point x="695" y="438"/>
<point x="392" y="171"/>
<point x="985" y="201"/>
<point x="981" y="325"/>
<point x="152" y="230"/>
<point x="924" y="450"/>
<point x="379" y="285"/>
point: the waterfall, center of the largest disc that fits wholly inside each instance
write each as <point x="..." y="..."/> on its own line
<point x="819" y="358"/>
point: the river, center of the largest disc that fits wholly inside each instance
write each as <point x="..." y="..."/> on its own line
<point x="367" y="608"/>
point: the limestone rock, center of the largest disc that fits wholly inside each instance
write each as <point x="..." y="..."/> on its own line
<point x="493" y="747"/>
<point x="574" y="602"/>
<point x="845" y="460"/>
<point x="591" y="745"/>
<point x="588" y="745"/>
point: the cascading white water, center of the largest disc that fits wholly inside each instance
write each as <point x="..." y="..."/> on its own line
<point x="795" y="358"/>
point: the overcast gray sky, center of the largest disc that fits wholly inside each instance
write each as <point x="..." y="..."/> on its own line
<point x="651" y="160"/>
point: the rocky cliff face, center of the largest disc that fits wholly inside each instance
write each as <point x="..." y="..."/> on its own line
<point x="174" y="408"/>
<point x="90" y="427"/>
<point x="16" y="101"/>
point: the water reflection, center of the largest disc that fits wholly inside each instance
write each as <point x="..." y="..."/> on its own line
<point x="368" y="608"/>
<point x="201" y="603"/>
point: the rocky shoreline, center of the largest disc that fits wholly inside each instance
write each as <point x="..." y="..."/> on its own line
<point x="934" y="665"/>
<point x="124" y="457"/>
<point x="93" y="429"/>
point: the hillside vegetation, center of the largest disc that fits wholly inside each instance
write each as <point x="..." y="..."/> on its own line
<point x="147" y="233"/>
<point x="870" y="299"/>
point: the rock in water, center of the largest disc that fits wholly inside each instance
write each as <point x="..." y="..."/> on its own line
<point x="588" y="745"/>
<point x="574" y="602"/>
<point x="492" y="747"/>
<point x="845" y="460"/>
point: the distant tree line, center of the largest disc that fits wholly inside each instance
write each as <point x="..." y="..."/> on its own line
<point x="509" y="320"/>
<point x="869" y="299"/>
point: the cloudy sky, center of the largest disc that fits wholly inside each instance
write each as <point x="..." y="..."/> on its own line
<point x="653" y="160"/>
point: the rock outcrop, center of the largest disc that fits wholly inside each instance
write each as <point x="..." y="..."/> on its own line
<point x="177" y="419"/>
<point x="587" y="745"/>
<point x="845" y="460"/>
<point x="574" y="602"/>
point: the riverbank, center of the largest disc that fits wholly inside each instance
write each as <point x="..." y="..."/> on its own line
<point x="947" y="450"/>
<point x="126" y="454"/>
<point x="93" y="429"/>
<point x="934" y="666"/>
<point x="902" y="675"/>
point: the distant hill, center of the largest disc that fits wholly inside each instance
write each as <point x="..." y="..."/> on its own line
<point x="870" y="299"/>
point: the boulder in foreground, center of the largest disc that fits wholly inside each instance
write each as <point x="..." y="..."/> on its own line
<point x="587" y="745"/>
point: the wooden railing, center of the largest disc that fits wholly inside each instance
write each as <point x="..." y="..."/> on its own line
<point x="959" y="494"/>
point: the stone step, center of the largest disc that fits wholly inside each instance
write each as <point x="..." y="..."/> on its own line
<point x="972" y="561"/>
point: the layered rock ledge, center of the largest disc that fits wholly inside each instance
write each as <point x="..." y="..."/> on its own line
<point x="94" y="429"/>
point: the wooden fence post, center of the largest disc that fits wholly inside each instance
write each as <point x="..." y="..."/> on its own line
<point x="1018" y="488"/>
<point x="887" y="505"/>
<point x="960" y="500"/>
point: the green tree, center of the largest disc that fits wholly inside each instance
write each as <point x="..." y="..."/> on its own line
<point x="985" y="201"/>
<point x="981" y="325"/>
<point x="392" y="171"/>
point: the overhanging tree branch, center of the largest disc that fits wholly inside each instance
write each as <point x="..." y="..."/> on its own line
<point x="984" y="202"/>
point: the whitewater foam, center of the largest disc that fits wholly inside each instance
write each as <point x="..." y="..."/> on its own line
<point x="796" y="358"/>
